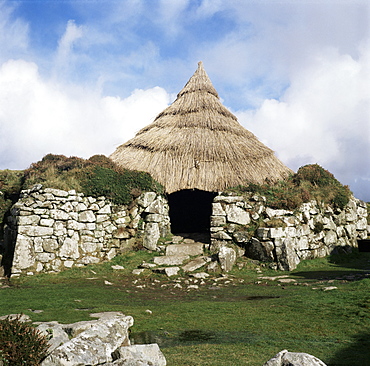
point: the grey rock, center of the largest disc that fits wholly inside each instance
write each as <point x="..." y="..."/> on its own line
<point x="93" y="346"/>
<point x="141" y="355"/>
<point x="151" y="235"/>
<point x="285" y="358"/>
<point x="191" y="249"/>
<point x="227" y="258"/>
<point x="170" y="260"/>
<point x="196" y="264"/>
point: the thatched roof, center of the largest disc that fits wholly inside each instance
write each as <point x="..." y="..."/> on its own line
<point x="197" y="143"/>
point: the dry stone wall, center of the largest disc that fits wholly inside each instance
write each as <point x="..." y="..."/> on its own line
<point x="284" y="237"/>
<point x="50" y="229"/>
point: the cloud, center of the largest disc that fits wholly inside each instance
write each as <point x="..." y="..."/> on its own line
<point x="13" y="33"/>
<point x="323" y="117"/>
<point x="38" y="116"/>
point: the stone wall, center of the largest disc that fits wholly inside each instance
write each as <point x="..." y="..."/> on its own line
<point x="50" y="229"/>
<point x="286" y="237"/>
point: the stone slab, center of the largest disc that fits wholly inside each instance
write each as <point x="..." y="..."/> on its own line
<point x="170" y="260"/>
<point x="196" y="263"/>
<point x="185" y="249"/>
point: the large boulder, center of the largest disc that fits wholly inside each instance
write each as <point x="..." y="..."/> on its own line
<point x="93" y="346"/>
<point x="98" y="342"/>
<point x="285" y="358"/>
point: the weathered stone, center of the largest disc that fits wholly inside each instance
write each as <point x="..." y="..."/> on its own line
<point x="157" y="207"/>
<point x="50" y="245"/>
<point x="221" y="235"/>
<point x="55" y="334"/>
<point x="217" y="209"/>
<point x="227" y="258"/>
<point x="154" y="218"/>
<point x="262" y="251"/>
<point x="218" y="220"/>
<point x="28" y="220"/>
<point x="69" y="249"/>
<point x="237" y="215"/>
<point x="170" y="260"/>
<point x="56" y="192"/>
<point x="196" y="264"/>
<point x="146" y="199"/>
<point x="330" y="238"/>
<point x="151" y="235"/>
<point x="93" y="346"/>
<point x="185" y="249"/>
<point x="47" y="222"/>
<point x="241" y="236"/>
<point x="35" y="230"/>
<point x="169" y="271"/>
<point x="285" y="358"/>
<point x="286" y="255"/>
<point x="87" y="216"/>
<point x="141" y="355"/>
<point x="105" y="210"/>
<point x="24" y="256"/>
<point x="229" y="199"/>
<point x="59" y="215"/>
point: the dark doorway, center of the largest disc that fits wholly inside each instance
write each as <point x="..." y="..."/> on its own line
<point x="190" y="210"/>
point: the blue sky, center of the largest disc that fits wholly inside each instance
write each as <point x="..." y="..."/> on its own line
<point x="81" y="77"/>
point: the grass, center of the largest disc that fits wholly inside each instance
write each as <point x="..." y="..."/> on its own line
<point x="243" y="323"/>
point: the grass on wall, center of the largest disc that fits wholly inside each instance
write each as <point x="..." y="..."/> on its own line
<point x="311" y="182"/>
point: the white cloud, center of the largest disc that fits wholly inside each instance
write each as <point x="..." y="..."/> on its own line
<point x="13" y="33"/>
<point x="323" y="117"/>
<point x="64" y="55"/>
<point x="38" y="117"/>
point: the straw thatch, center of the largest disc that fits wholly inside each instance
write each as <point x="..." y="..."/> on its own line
<point x="196" y="143"/>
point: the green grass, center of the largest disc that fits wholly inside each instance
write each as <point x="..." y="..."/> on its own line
<point x="245" y="323"/>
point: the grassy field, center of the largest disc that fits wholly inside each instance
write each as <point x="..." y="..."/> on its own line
<point x="240" y="319"/>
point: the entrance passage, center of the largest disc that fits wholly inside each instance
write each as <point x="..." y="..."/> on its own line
<point x="190" y="210"/>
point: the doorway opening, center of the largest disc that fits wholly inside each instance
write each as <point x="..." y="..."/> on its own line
<point x="190" y="210"/>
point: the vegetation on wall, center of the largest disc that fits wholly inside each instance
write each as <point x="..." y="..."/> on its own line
<point x="311" y="182"/>
<point x="97" y="176"/>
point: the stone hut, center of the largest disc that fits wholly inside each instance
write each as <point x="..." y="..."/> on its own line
<point x="196" y="148"/>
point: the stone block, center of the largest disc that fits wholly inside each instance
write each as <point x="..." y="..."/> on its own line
<point x="151" y="235"/>
<point x="47" y="222"/>
<point x="237" y="215"/>
<point x="142" y="354"/>
<point x="196" y="264"/>
<point x="50" y="245"/>
<point x="59" y="215"/>
<point x="191" y="249"/>
<point x="217" y="209"/>
<point x="87" y="216"/>
<point x="35" y="230"/>
<point x="218" y="221"/>
<point x="69" y="249"/>
<point x="24" y="256"/>
<point x="221" y="235"/>
<point x="28" y="220"/>
<point x="146" y="199"/>
<point x="227" y="258"/>
<point x="93" y="346"/>
<point x="170" y="260"/>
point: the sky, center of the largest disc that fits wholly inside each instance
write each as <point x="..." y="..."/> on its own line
<point x="81" y="77"/>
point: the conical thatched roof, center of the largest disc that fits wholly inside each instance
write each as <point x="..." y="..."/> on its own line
<point x="197" y="143"/>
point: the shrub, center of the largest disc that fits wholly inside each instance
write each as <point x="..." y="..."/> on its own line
<point x="310" y="182"/>
<point x="97" y="176"/>
<point x="21" y="344"/>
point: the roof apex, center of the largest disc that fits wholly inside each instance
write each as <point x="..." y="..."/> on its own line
<point x="199" y="82"/>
